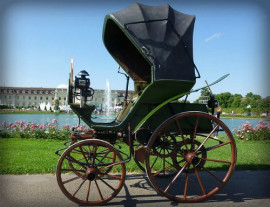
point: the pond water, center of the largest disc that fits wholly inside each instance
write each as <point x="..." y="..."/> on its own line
<point x="72" y="119"/>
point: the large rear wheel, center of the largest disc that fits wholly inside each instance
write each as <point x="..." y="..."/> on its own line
<point x="201" y="163"/>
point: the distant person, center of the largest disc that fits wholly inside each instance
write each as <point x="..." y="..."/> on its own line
<point x="217" y="115"/>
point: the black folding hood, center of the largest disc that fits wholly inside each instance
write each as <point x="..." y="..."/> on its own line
<point x="151" y="42"/>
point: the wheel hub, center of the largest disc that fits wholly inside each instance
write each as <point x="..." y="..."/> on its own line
<point x="91" y="174"/>
<point x="191" y="157"/>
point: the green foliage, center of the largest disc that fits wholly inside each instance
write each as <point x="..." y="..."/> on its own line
<point x="28" y="156"/>
<point x="4" y="107"/>
<point x="228" y="100"/>
<point x="252" y="96"/>
<point x="56" y="104"/>
<point x="236" y="102"/>
<point x="225" y="99"/>
<point x="32" y="156"/>
<point x="205" y="92"/>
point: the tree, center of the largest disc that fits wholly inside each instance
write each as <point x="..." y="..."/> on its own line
<point x="252" y="96"/>
<point x="264" y="103"/>
<point x="223" y="99"/>
<point x="236" y="102"/>
<point x="205" y="92"/>
<point x="56" y="104"/>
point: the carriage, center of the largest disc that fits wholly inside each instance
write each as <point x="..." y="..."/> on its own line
<point x="171" y="141"/>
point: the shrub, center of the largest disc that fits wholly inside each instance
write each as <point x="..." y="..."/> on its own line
<point x="259" y="132"/>
<point x="52" y="130"/>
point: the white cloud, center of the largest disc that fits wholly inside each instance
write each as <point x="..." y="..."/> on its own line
<point x="217" y="35"/>
<point x="62" y="86"/>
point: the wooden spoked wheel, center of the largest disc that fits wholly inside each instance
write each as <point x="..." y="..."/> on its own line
<point x="87" y="181"/>
<point x="201" y="164"/>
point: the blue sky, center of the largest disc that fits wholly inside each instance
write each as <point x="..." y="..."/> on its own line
<point x="38" y="40"/>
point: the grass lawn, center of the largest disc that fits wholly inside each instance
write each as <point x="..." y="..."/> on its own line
<point x="34" y="156"/>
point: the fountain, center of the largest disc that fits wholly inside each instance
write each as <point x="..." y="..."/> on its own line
<point x="108" y="100"/>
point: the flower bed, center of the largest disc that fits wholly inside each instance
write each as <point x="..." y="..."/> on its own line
<point x="52" y="130"/>
<point x="248" y="132"/>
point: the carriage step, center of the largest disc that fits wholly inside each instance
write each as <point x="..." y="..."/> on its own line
<point x="140" y="154"/>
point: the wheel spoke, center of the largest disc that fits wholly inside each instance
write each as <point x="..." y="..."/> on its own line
<point x="175" y="178"/>
<point x="70" y="180"/>
<point x="85" y="149"/>
<point x="217" y="146"/>
<point x="200" y="182"/>
<point x="100" y="194"/>
<point x="110" y="176"/>
<point x="167" y="168"/>
<point x="206" y="139"/>
<point x="74" y="160"/>
<point x="72" y="170"/>
<point x="154" y="162"/>
<point x="103" y="157"/>
<point x="84" y="155"/>
<point x="78" y="188"/>
<point x="94" y="156"/>
<point x="164" y="164"/>
<point x="208" y="171"/>
<point x="107" y="184"/>
<point x="182" y="135"/>
<point x="88" y="191"/>
<point x="213" y="160"/>
<point x="111" y="165"/>
<point x="186" y="184"/>
<point x="195" y="130"/>
<point x="183" y="160"/>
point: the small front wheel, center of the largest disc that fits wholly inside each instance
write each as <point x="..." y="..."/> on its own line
<point x="91" y="172"/>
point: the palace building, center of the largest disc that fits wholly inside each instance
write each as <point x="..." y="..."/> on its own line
<point x="33" y="97"/>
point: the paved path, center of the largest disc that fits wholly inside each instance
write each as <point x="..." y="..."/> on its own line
<point x="246" y="188"/>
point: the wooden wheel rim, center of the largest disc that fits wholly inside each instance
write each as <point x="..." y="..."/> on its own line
<point x="79" y="175"/>
<point x="214" y="190"/>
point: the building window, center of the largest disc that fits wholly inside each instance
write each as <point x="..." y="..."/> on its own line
<point x="35" y="98"/>
<point x="52" y="98"/>
<point x="29" y="98"/>
<point x="47" y="98"/>
<point x="65" y="98"/>
<point x="40" y="98"/>
<point x="59" y="98"/>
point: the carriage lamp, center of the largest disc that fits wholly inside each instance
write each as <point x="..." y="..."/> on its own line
<point x="82" y="91"/>
<point x="212" y="103"/>
<point x="82" y="82"/>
